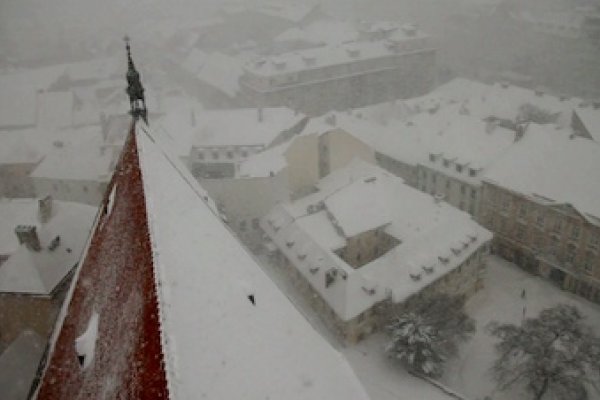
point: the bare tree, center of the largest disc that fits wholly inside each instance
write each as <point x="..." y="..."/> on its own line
<point x="554" y="354"/>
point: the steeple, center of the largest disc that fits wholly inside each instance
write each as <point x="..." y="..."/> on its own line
<point x="135" y="90"/>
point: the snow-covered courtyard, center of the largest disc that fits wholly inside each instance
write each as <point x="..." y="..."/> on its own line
<point x="502" y="300"/>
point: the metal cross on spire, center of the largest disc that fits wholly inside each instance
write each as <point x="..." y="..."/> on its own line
<point x="135" y="90"/>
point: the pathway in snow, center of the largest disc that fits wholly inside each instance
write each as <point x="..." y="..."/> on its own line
<point x="501" y="300"/>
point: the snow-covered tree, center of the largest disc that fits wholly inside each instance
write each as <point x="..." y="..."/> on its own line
<point x="416" y="344"/>
<point x="427" y="332"/>
<point x="555" y="355"/>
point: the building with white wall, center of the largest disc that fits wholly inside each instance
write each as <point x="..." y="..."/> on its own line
<point x="366" y="240"/>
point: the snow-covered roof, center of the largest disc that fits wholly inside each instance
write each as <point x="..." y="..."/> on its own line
<point x="337" y="32"/>
<point x="178" y="124"/>
<point x="265" y="163"/>
<point x="241" y="127"/>
<point x="214" y="337"/>
<point x="17" y="104"/>
<point x="19" y="365"/>
<point x="55" y="109"/>
<point x="222" y="72"/>
<point x="76" y="154"/>
<point x="465" y="139"/>
<point x="548" y="162"/>
<point x="97" y="69"/>
<point x="25" y="146"/>
<point x="38" y="272"/>
<point x="355" y="202"/>
<point x="590" y="118"/>
<point x="344" y="53"/>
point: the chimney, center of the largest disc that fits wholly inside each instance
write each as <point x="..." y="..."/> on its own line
<point x="27" y="234"/>
<point x="331" y="120"/>
<point x="260" y="114"/>
<point x="45" y="209"/>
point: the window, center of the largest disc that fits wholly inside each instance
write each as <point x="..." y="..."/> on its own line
<point x="588" y="263"/>
<point x="215" y="155"/>
<point x="520" y="232"/>
<point x="472" y="209"/>
<point x="575" y="232"/>
<point x="463" y="189"/>
<point x="432" y="157"/>
<point x="446" y="162"/>
<point x="473" y="193"/>
<point x="200" y="155"/>
<point x="539" y="219"/>
<point x="244" y="153"/>
<point x="448" y="183"/>
<point x="255" y="223"/>
<point x="459" y="168"/>
<point x="557" y="225"/>
<point x="571" y="252"/>
<point x="505" y="204"/>
<point x="433" y="178"/>
<point x="593" y="240"/>
<point x="472" y="172"/>
<point x="523" y="211"/>
<point x="85" y="189"/>
<point x="230" y="154"/>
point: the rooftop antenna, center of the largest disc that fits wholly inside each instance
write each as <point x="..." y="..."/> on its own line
<point x="135" y="90"/>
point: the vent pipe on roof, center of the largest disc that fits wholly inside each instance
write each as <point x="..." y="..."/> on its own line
<point x="45" y="209"/>
<point x="27" y="235"/>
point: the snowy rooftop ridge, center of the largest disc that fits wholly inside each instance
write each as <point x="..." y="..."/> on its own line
<point x="570" y="178"/>
<point x="200" y="264"/>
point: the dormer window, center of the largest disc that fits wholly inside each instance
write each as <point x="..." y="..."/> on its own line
<point x="85" y="345"/>
<point x="446" y="162"/>
<point x="459" y="168"/>
<point x="432" y="157"/>
<point x="472" y="172"/>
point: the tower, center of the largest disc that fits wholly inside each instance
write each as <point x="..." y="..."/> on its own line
<point x="135" y="90"/>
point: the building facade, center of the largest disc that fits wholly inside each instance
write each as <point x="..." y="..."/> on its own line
<point x="318" y="80"/>
<point x="545" y="238"/>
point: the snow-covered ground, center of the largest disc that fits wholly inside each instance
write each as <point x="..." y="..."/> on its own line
<point x="501" y="300"/>
<point x="381" y="378"/>
<point x="469" y="373"/>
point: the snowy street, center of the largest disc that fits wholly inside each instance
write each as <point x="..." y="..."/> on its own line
<point x="501" y="299"/>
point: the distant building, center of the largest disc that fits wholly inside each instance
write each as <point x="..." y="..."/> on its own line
<point x="541" y="201"/>
<point x="76" y="167"/>
<point x="343" y="76"/>
<point x="285" y="171"/>
<point x="40" y="243"/>
<point x="20" y="153"/>
<point x="366" y="243"/>
<point x="224" y="138"/>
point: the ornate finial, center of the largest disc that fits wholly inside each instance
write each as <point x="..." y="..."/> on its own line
<point x="135" y="90"/>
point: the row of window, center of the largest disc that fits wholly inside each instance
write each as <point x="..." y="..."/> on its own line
<point x="215" y="154"/>
<point x="558" y="226"/>
<point x="460" y="168"/>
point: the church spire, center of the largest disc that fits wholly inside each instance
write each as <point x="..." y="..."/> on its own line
<point x="135" y="90"/>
